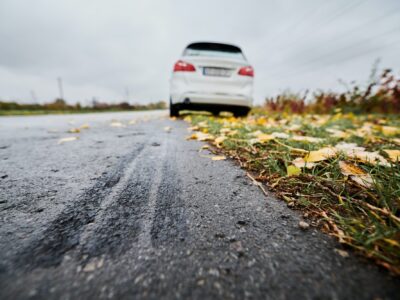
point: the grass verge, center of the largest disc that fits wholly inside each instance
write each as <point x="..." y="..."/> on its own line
<point x="341" y="170"/>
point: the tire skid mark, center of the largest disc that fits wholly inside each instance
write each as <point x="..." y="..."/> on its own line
<point x="64" y="232"/>
<point x="169" y="224"/>
<point x="120" y="222"/>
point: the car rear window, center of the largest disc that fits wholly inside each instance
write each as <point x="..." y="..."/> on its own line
<point x="214" y="50"/>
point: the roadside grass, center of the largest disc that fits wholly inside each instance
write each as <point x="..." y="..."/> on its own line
<point x="334" y="168"/>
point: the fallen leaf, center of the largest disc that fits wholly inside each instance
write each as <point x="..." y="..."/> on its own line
<point x="389" y="130"/>
<point x="74" y="130"/>
<point x="67" y="139"/>
<point x="221" y="157"/>
<point x="132" y="122"/>
<point x="116" y="124"/>
<point x="280" y="135"/>
<point x="293" y="170"/>
<point x="338" y="133"/>
<point x="85" y="126"/>
<point x="320" y="155"/>
<point x="262" y="138"/>
<point x="219" y="140"/>
<point x="301" y="163"/>
<point x="349" y="148"/>
<point x="342" y="253"/>
<point x="167" y="128"/>
<point x="394" y="155"/>
<point x="200" y="136"/>
<point x="373" y="158"/>
<point x="309" y="139"/>
<point x="356" y="174"/>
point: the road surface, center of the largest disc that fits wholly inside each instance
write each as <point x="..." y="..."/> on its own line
<point x="132" y="211"/>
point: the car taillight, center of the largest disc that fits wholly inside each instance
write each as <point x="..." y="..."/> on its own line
<point x="246" y="71"/>
<point x="182" y="66"/>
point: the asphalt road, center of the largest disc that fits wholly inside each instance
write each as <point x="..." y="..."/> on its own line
<point x="136" y="212"/>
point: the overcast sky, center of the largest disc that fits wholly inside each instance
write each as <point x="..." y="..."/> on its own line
<point x="104" y="48"/>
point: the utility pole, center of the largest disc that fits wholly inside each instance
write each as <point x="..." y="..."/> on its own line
<point x="60" y="88"/>
<point x="127" y="94"/>
<point x="33" y="95"/>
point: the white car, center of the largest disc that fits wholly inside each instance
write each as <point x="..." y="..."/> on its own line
<point x="213" y="77"/>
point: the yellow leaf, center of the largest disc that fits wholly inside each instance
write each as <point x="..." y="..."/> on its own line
<point x="293" y="170"/>
<point x="188" y="119"/>
<point x="356" y="174"/>
<point x="321" y="154"/>
<point x="221" y="157"/>
<point x="394" y="155"/>
<point x="218" y="141"/>
<point x="348" y="169"/>
<point x="396" y="141"/>
<point x="74" y="130"/>
<point x="261" y="121"/>
<point x="390" y="130"/>
<point x="262" y="138"/>
<point x="85" y="126"/>
<point x="200" y="136"/>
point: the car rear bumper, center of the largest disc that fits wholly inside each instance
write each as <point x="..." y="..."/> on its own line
<point x="198" y="99"/>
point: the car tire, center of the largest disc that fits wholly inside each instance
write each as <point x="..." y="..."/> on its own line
<point x="241" y="112"/>
<point x="215" y="113"/>
<point x="173" y="110"/>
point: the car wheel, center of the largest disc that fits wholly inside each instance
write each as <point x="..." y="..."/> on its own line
<point x="173" y="110"/>
<point x="215" y="113"/>
<point x="241" y="112"/>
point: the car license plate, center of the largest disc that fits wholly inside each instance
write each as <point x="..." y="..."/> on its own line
<point x="219" y="72"/>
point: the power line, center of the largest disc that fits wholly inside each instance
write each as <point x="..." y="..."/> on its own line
<point x="357" y="55"/>
<point x="354" y="29"/>
<point x="346" y="48"/>
<point x="321" y="25"/>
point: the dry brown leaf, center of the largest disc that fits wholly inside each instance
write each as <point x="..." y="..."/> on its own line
<point x="356" y="174"/>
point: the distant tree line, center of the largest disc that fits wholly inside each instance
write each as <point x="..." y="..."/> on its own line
<point x="60" y="105"/>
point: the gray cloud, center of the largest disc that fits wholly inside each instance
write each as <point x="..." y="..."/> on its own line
<point x="100" y="48"/>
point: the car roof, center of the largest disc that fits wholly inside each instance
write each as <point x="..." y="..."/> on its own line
<point x="214" y="46"/>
